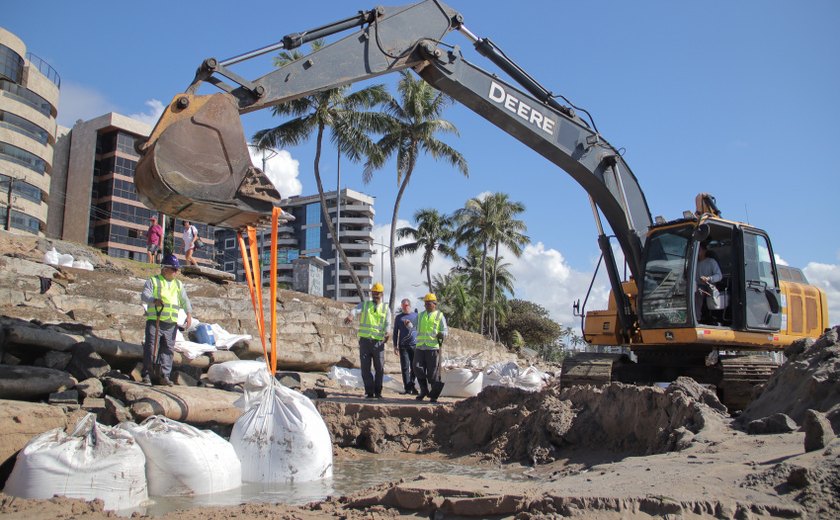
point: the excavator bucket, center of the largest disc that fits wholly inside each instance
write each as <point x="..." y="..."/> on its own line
<point x="195" y="165"/>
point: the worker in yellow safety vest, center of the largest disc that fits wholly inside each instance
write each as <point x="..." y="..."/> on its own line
<point x="374" y="331"/>
<point x="164" y="296"/>
<point x="431" y="331"/>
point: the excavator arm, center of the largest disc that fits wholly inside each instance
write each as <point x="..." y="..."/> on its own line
<point x="196" y="162"/>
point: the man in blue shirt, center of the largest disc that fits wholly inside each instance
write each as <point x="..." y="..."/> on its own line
<point x="405" y="339"/>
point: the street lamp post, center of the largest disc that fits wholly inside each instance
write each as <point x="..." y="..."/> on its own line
<point x="382" y="257"/>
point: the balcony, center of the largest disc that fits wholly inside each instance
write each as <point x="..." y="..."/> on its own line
<point x="361" y="221"/>
<point x="363" y="234"/>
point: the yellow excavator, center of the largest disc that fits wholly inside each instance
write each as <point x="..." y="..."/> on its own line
<point x="675" y="321"/>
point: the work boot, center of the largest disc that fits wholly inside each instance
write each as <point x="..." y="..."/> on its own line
<point x="165" y="381"/>
<point x="424" y="391"/>
<point x="147" y="381"/>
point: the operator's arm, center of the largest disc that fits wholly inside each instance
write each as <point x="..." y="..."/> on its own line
<point x="184" y="302"/>
<point x="387" y="326"/>
<point x="353" y="313"/>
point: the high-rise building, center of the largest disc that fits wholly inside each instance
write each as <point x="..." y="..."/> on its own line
<point x="95" y="165"/>
<point x="308" y="236"/>
<point x="29" y="89"/>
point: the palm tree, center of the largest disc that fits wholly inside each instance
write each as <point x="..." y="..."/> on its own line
<point x="414" y="125"/>
<point x="508" y="232"/>
<point x="349" y="121"/>
<point x="456" y="300"/>
<point x="473" y="231"/>
<point x="434" y="232"/>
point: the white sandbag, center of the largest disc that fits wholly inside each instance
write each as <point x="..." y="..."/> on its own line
<point x="224" y="339"/>
<point x="352" y="378"/>
<point x="51" y="257"/>
<point x="281" y="437"/>
<point x="83" y="264"/>
<point x="65" y="260"/>
<point x="531" y="378"/>
<point x="461" y="382"/>
<point x="494" y="373"/>
<point x="234" y="372"/>
<point x="95" y="461"/>
<point x="508" y="374"/>
<point x="183" y="460"/>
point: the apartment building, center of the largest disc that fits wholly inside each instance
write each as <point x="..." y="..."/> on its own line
<point x="29" y="91"/>
<point x="308" y="236"/>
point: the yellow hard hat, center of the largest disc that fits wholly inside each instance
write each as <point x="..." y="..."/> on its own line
<point x="377" y="287"/>
<point x="430" y="298"/>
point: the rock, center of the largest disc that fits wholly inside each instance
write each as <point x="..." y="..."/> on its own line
<point x="288" y="379"/>
<point x="180" y="378"/>
<point x="10" y="359"/>
<point x="315" y="393"/>
<point x="800" y="477"/>
<point x="818" y="431"/>
<point x="54" y="359"/>
<point x="115" y="412"/>
<point x="86" y="363"/>
<point x="206" y="272"/>
<point x="30" y="383"/>
<point x="94" y="405"/>
<point x="67" y="397"/>
<point x="776" y="423"/>
<point x="90" y="387"/>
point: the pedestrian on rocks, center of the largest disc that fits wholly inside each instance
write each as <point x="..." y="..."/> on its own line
<point x="164" y="296"/>
<point x="405" y="340"/>
<point x="154" y="235"/>
<point x="190" y="236"/>
<point x="431" y="331"/>
<point x="374" y="331"/>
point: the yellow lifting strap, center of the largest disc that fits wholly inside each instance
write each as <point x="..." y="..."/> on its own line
<point x="253" y="275"/>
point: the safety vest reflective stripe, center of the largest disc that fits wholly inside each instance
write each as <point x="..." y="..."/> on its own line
<point x="428" y="326"/>
<point x="372" y="322"/>
<point x="170" y="294"/>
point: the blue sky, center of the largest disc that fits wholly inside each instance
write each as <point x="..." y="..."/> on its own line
<point x="739" y="99"/>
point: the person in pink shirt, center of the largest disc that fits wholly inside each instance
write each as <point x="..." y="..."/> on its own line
<point x="153" y="239"/>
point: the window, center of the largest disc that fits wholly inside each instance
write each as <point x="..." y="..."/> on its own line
<point x="22" y="157"/>
<point x="21" y="221"/>
<point x="125" y="143"/>
<point x="11" y="64"/>
<point x="313" y="214"/>
<point x="23" y="127"/>
<point x="26" y="96"/>
<point x="230" y="266"/>
<point x="313" y="238"/>
<point x="21" y="189"/>
<point x="230" y="243"/>
<point x="664" y="296"/>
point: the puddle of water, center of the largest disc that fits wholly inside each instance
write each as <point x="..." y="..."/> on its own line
<point x="349" y="476"/>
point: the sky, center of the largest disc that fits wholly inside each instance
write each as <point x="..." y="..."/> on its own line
<point x="738" y="99"/>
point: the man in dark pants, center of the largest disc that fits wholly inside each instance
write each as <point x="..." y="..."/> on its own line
<point x="431" y="331"/>
<point x="405" y="339"/>
<point x="374" y="331"/>
<point x="163" y="295"/>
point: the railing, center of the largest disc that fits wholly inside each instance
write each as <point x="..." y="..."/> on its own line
<point x="44" y="68"/>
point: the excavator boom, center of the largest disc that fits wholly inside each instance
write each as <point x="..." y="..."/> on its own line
<point x="196" y="162"/>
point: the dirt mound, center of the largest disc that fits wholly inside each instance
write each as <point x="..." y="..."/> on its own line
<point x="513" y="425"/>
<point x="809" y="379"/>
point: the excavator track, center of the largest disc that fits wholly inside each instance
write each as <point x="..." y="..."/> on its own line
<point x="742" y="376"/>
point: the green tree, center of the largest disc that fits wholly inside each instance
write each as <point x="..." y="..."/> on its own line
<point x="414" y="124"/>
<point x="508" y="232"/>
<point x="473" y="221"/>
<point x="434" y="233"/>
<point x="455" y="300"/>
<point x="533" y="324"/>
<point x="349" y="118"/>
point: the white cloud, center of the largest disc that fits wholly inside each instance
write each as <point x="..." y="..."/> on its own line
<point x="281" y="169"/>
<point x="780" y="260"/>
<point x="542" y="276"/>
<point x="80" y="102"/>
<point x="827" y="278"/>
<point x="153" y="113"/>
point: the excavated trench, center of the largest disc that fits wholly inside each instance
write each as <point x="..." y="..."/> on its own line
<point x="508" y="425"/>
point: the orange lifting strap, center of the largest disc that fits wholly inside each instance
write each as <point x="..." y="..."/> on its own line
<point x="253" y="274"/>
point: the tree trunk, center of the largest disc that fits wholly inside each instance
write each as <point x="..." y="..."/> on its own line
<point x="483" y="286"/>
<point x="493" y="330"/>
<point x="391" y="256"/>
<point x="326" y="214"/>
<point x="429" y="275"/>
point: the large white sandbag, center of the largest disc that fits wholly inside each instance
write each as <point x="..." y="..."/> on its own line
<point x="183" y="460"/>
<point x="234" y="372"/>
<point x="352" y="378"/>
<point x="461" y="382"/>
<point x="281" y="437"/>
<point x="494" y="374"/>
<point x="508" y="374"/>
<point x="51" y="257"/>
<point x="95" y="461"/>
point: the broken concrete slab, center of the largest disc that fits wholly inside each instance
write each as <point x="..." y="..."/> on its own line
<point x="818" y="431"/>
<point x="87" y="363"/>
<point x="91" y="387"/>
<point x="67" y="397"/>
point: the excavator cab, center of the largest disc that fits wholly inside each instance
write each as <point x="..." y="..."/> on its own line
<point x="195" y="165"/>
